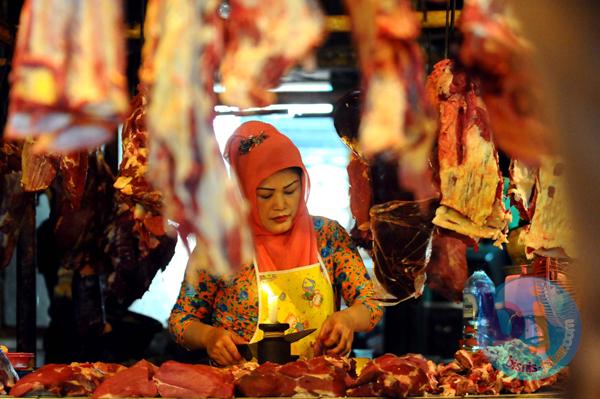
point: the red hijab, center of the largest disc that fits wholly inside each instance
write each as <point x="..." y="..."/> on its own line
<point x="255" y="151"/>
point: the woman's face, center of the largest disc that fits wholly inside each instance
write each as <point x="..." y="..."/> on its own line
<point x="277" y="198"/>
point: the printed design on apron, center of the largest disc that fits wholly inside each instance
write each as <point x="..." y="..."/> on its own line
<point x="302" y="297"/>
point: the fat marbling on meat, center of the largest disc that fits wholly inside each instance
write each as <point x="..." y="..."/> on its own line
<point x="470" y="179"/>
<point x="264" y="40"/>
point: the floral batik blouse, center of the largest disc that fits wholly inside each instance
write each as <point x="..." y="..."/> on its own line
<point x="232" y="303"/>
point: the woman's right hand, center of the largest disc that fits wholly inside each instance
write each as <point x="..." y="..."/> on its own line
<point x="221" y="346"/>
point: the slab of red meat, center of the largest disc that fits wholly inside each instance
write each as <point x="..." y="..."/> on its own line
<point x="264" y="40"/>
<point x="68" y="83"/>
<point x="495" y="50"/>
<point x="76" y="379"/>
<point x="447" y="267"/>
<point x="396" y="376"/>
<point x="183" y="40"/>
<point x="361" y="198"/>
<point x="321" y="376"/>
<point x="470" y="179"/>
<point x="135" y="381"/>
<point x="396" y="116"/>
<point x="179" y="380"/>
<point x="402" y="235"/>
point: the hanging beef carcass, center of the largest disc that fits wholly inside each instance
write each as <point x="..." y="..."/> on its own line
<point x="180" y="57"/>
<point x="550" y="232"/>
<point x="136" y="239"/>
<point x="68" y="85"/>
<point x="493" y="49"/>
<point x="470" y="180"/>
<point x="396" y="117"/>
<point x="264" y="40"/>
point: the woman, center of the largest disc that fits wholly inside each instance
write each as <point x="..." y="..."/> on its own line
<point x="303" y="266"/>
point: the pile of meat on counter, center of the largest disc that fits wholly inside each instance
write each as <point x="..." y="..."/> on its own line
<point x="388" y="376"/>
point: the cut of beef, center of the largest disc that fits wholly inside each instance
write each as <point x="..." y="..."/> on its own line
<point x="396" y="376"/>
<point x="447" y="268"/>
<point x="135" y="381"/>
<point x="76" y="379"/>
<point x="396" y="116"/>
<point x="179" y="380"/>
<point x="320" y="376"/>
<point x="264" y="40"/>
<point x="470" y="178"/>
<point x="493" y="49"/>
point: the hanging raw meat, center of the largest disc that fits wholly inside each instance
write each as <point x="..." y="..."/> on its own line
<point x="264" y="40"/>
<point x="447" y="269"/>
<point x="68" y="85"/>
<point x="180" y="57"/>
<point x="136" y="239"/>
<point x="396" y="116"/>
<point x="470" y="179"/>
<point x="493" y="49"/>
<point x="361" y="199"/>
<point x="551" y="231"/>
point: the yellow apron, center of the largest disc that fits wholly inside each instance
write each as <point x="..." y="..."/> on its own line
<point x="302" y="297"/>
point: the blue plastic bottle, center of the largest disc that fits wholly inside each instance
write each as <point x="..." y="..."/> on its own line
<point x="480" y="321"/>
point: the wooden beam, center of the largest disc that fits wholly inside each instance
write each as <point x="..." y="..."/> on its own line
<point x="435" y="19"/>
<point x="339" y="23"/>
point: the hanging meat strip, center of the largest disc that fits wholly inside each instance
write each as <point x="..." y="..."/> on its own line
<point x="470" y="178"/>
<point x="493" y="49"/>
<point x="180" y="57"/>
<point x="136" y="239"/>
<point x="68" y="84"/>
<point x="264" y="40"/>
<point x="397" y="117"/>
<point x="550" y="232"/>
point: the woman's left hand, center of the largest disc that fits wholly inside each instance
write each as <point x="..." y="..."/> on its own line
<point x="337" y="333"/>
